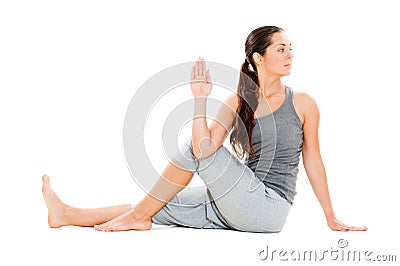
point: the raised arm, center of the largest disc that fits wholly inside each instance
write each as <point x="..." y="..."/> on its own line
<point x="206" y="140"/>
<point x="313" y="164"/>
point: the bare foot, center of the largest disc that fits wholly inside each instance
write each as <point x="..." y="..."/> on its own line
<point x="56" y="208"/>
<point x="124" y="222"/>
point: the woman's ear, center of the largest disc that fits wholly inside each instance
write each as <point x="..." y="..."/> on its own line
<point x="257" y="58"/>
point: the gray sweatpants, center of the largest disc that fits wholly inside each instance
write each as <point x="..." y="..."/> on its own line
<point x="232" y="198"/>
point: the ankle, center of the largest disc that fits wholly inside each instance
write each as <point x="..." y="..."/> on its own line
<point x="68" y="213"/>
<point x="140" y="215"/>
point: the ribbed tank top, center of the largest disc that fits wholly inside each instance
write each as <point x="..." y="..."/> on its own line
<point x="277" y="140"/>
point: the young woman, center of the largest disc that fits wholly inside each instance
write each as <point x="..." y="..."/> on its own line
<point x="270" y="126"/>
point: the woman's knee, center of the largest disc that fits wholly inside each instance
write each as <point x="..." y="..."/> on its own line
<point x="186" y="158"/>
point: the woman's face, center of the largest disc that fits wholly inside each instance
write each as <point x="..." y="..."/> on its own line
<point x="277" y="60"/>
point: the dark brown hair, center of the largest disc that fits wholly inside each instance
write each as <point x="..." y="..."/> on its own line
<point x="247" y="91"/>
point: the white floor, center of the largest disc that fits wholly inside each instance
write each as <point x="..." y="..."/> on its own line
<point x="38" y="245"/>
<point x="26" y="238"/>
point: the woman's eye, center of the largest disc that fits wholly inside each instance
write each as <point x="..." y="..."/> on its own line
<point x="282" y="50"/>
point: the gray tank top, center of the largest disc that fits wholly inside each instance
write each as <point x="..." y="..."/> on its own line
<point x="277" y="139"/>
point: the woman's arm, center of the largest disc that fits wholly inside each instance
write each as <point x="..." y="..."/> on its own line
<point x="206" y="140"/>
<point x="313" y="164"/>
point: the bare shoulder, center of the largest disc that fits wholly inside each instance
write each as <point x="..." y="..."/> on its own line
<point x="303" y="98"/>
<point x="305" y="105"/>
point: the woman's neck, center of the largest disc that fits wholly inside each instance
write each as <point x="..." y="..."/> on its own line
<point x="271" y="86"/>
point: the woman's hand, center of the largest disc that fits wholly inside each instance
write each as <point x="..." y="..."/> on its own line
<point x="337" y="225"/>
<point x="200" y="79"/>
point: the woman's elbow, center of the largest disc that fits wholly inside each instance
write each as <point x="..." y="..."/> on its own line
<point x="315" y="166"/>
<point x="205" y="148"/>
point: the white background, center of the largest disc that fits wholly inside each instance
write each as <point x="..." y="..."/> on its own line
<point x="68" y="71"/>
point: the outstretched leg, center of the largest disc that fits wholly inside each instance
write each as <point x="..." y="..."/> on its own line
<point x="173" y="179"/>
<point x="61" y="214"/>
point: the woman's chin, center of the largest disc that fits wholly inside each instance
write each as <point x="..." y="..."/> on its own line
<point x="287" y="73"/>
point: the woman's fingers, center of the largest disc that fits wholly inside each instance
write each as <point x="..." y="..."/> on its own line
<point x="356" y="228"/>
<point x="208" y="76"/>
<point x="199" y="71"/>
<point x="192" y="73"/>
<point x="202" y="66"/>
<point x="347" y="228"/>
<point x="197" y="67"/>
<point x="353" y="228"/>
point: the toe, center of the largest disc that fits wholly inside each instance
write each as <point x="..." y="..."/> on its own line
<point x="99" y="228"/>
<point x="109" y="228"/>
<point x="46" y="179"/>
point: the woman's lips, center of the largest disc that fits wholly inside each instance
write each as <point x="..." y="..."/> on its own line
<point x="287" y="65"/>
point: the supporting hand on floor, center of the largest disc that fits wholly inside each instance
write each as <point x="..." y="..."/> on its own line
<point x="337" y="225"/>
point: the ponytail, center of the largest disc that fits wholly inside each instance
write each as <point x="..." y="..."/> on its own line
<point x="243" y="123"/>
